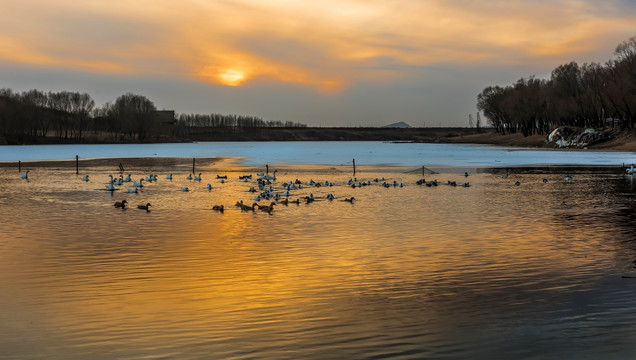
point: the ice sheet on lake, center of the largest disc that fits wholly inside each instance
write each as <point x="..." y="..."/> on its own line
<point x="328" y="153"/>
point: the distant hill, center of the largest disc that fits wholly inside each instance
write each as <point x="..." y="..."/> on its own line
<point x="400" y="124"/>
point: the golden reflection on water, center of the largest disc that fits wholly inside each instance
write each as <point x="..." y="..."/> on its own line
<point x="402" y="270"/>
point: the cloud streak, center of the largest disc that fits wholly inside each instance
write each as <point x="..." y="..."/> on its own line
<point x="328" y="46"/>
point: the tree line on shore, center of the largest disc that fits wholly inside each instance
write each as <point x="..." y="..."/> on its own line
<point x="188" y="124"/>
<point x="589" y="95"/>
<point x="71" y="116"/>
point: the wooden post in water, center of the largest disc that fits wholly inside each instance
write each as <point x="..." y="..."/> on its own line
<point x="354" y="167"/>
<point x="76" y="164"/>
<point x="266" y="169"/>
<point x="423" y="172"/>
<point x="19" y="166"/>
<point x="193" y="162"/>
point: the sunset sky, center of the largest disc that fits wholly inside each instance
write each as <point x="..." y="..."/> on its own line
<point x="326" y="63"/>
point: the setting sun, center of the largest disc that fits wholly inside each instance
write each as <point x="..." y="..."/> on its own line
<point x="232" y="77"/>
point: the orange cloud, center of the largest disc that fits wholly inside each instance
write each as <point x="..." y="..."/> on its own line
<point x="323" y="45"/>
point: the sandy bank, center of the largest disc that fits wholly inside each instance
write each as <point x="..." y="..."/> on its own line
<point x="623" y="141"/>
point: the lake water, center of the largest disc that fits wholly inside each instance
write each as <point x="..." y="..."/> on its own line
<point x="329" y="153"/>
<point x="488" y="271"/>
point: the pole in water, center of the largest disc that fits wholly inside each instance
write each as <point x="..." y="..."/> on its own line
<point x="193" y="162"/>
<point x="423" y="173"/>
<point x="76" y="164"/>
<point x="354" y="167"/>
<point x="19" y="166"/>
<point x="266" y="169"/>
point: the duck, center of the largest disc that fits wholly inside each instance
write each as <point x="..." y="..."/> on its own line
<point x="330" y="196"/>
<point x="517" y="183"/>
<point x="568" y="177"/>
<point x="189" y="177"/>
<point x="185" y="188"/>
<point x="545" y="181"/>
<point x="197" y="177"/>
<point x="169" y="177"/>
<point x="144" y="207"/>
<point x="223" y="177"/>
<point x="351" y="199"/>
<point x="218" y="208"/>
<point x="248" y="208"/>
<point x="267" y="208"/>
<point x="120" y="204"/>
<point x="208" y="186"/>
<point x="85" y="177"/>
<point x="466" y="174"/>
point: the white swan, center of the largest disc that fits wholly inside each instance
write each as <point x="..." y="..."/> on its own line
<point x="185" y="189"/>
<point x="198" y="177"/>
<point x="138" y="184"/>
<point x="269" y="177"/>
<point x="25" y="175"/>
<point x="208" y="186"/>
<point x="85" y="177"/>
<point x="631" y="170"/>
<point x="189" y="177"/>
<point x="132" y="191"/>
<point x="169" y="177"/>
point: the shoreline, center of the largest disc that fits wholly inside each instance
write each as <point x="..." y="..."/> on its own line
<point x="621" y="140"/>
<point x="180" y="165"/>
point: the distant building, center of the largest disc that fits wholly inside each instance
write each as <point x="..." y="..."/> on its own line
<point x="165" y="121"/>
<point x="400" y="124"/>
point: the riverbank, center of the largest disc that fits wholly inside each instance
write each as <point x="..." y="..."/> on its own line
<point x="621" y="141"/>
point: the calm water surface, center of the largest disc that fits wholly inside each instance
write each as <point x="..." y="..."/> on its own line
<point x="493" y="270"/>
<point x="329" y="152"/>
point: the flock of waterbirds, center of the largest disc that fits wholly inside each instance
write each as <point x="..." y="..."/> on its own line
<point x="266" y="189"/>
